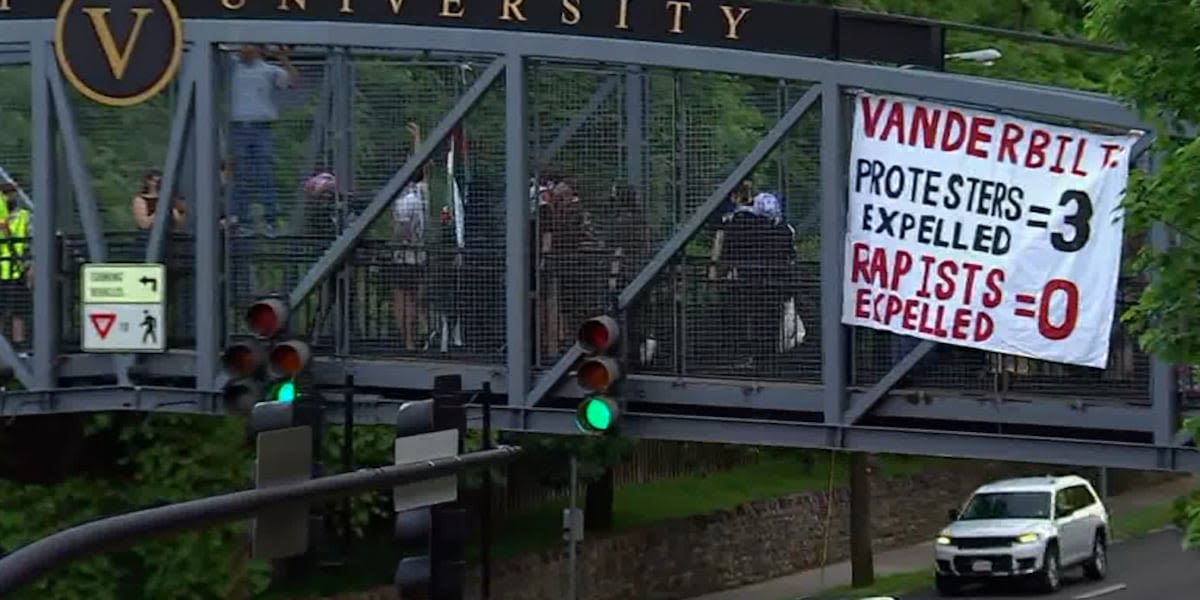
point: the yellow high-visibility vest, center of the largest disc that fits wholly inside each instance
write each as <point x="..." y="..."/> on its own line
<point x="12" y="248"/>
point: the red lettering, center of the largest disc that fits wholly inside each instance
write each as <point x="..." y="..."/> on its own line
<point x="904" y="264"/>
<point x="993" y="295"/>
<point x="927" y="267"/>
<point x="924" y="126"/>
<point x="1063" y="140"/>
<point x="892" y="307"/>
<point x="912" y="314"/>
<point x="1035" y="154"/>
<point x="1064" y="329"/>
<point x="955" y="132"/>
<point x="1109" y="151"/>
<point x="1080" y="149"/>
<point x="860" y="266"/>
<point x="960" y="330"/>
<point x="871" y="115"/>
<point x="984" y="327"/>
<point x="1009" y="136"/>
<point x="862" y="303"/>
<point x="895" y="124"/>
<point x="947" y="272"/>
<point x="969" y="287"/>
<point x="980" y="134"/>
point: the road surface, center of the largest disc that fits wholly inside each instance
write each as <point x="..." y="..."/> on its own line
<point x="1148" y="568"/>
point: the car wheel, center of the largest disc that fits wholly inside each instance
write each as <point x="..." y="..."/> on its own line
<point x="1049" y="579"/>
<point x="947" y="585"/>
<point x="1096" y="568"/>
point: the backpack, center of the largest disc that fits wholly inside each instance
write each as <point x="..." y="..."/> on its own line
<point x="409" y="214"/>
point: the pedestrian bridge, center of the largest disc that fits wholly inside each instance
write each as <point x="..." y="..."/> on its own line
<point x="572" y="169"/>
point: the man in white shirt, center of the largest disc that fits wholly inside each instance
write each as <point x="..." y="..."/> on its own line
<point x="254" y="83"/>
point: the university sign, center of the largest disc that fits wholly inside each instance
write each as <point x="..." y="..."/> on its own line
<point x="118" y="53"/>
<point x="121" y="52"/>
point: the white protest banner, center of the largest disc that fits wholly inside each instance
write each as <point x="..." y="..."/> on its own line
<point x="984" y="230"/>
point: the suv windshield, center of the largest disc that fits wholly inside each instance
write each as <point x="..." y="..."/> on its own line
<point x="1008" y="505"/>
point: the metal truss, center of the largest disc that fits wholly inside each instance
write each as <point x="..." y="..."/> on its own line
<point x="876" y="418"/>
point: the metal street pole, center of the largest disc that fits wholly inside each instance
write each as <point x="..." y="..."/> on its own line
<point x="571" y="543"/>
<point x="27" y="564"/>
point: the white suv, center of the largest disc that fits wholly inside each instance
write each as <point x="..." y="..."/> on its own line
<point x="1030" y="528"/>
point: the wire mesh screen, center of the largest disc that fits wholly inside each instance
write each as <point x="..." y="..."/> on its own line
<point x="268" y="105"/>
<point x="429" y="276"/>
<point x="583" y="205"/>
<point x="16" y="306"/>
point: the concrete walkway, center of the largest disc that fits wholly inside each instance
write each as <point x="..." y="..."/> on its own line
<point x="917" y="557"/>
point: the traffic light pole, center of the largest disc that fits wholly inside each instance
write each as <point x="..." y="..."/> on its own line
<point x="27" y="564"/>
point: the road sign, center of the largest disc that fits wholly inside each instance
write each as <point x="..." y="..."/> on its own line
<point x="144" y="283"/>
<point x="124" y="307"/>
<point x="123" y="328"/>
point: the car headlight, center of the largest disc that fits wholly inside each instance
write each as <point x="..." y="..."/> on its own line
<point x="943" y="540"/>
<point x="1028" y="538"/>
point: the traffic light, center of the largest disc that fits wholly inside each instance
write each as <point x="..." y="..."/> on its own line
<point x="598" y="374"/>
<point x="426" y="512"/>
<point x="269" y="366"/>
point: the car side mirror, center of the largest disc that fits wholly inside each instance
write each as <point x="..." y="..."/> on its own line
<point x="952" y="514"/>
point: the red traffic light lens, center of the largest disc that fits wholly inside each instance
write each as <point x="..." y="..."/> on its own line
<point x="596" y="375"/>
<point x="242" y="359"/>
<point x="267" y="317"/>
<point x="290" y="358"/>
<point x="598" y="334"/>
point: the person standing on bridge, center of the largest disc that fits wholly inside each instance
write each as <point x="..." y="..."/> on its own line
<point x="254" y="110"/>
<point x="14" y="239"/>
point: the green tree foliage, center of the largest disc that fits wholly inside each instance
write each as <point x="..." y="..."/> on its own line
<point x="1158" y="75"/>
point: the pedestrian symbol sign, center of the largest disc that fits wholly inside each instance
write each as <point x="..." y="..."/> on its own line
<point x="103" y="322"/>
<point x="124" y="307"/>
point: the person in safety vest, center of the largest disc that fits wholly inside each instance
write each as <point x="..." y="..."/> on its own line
<point x="14" y="242"/>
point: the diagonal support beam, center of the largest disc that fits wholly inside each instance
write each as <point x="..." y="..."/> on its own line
<point x="181" y="124"/>
<point x="9" y="356"/>
<point x="578" y="120"/>
<point x="85" y="198"/>
<point x="872" y="397"/>
<point x="680" y="238"/>
<point x="345" y="242"/>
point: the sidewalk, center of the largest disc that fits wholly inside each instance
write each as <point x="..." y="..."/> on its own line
<point x="917" y="557"/>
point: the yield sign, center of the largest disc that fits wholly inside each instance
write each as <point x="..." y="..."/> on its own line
<point x="103" y="322"/>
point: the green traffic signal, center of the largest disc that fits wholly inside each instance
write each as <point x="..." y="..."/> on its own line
<point x="284" y="392"/>
<point x="596" y="414"/>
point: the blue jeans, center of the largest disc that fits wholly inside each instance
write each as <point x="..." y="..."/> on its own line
<point x="253" y="170"/>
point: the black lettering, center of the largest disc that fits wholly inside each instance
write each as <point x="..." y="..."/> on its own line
<point x="1014" y="211"/>
<point x="953" y="200"/>
<point x="868" y="210"/>
<point x="894" y="184"/>
<point x="931" y="187"/>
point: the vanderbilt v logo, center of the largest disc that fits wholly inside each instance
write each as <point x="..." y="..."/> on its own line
<point x="118" y="52"/>
<point x="118" y="59"/>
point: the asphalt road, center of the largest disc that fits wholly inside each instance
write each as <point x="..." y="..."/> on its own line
<point x="1149" y="568"/>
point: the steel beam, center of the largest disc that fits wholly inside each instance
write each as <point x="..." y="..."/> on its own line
<point x="578" y="120"/>
<point x="181" y="124"/>
<point x="680" y="238"/>
<point x="834" y="346"/>
<point x="867" y="439"/>
<point x="947" y="87"/>
<point x="207" y="258"/>
<point x="636" y="97"/>
<point x="173" y="363"/>
<point x="1163" y="396"/>
<point x="85" y="198"/>
<point x="865" y="402"/>
<point x="1095" y="414"/>
<point x="517" y="226"/>
<point x="107" y="399"/>
<point x="345" y="242"/>
<point x="9" y="357"/>
<point x="47" y="318"/>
